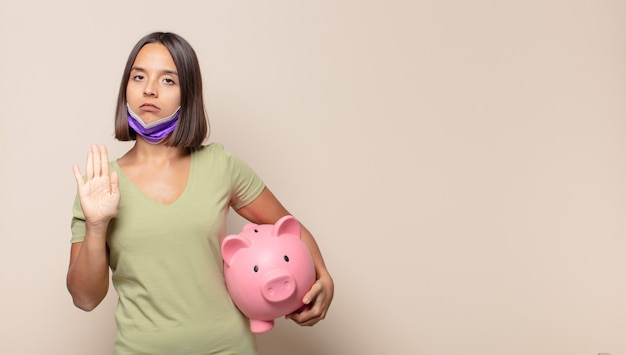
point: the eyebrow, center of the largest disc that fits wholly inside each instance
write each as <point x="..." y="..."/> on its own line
<point x="164" y="71"/>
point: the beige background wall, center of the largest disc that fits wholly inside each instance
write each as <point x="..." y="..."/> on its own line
<point x="462" y="163"/>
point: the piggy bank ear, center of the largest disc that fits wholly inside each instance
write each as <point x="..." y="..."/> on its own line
<point x="287" y="226"/>
<point x="231" y="245"/>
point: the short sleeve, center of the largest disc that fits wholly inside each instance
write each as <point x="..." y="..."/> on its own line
<point x="78" y="222"/>
<point x="245" y="183"/>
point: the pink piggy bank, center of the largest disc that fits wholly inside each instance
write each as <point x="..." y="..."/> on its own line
<point x="268" y="270"/>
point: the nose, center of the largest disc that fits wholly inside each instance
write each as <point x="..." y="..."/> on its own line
<point x="150" y="89"/>
<point x="278" y="286"/>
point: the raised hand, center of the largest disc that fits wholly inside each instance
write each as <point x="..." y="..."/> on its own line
<point x="98" y="192"/>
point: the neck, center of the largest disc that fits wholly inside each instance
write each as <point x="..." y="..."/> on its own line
<point x="144" y="151"/>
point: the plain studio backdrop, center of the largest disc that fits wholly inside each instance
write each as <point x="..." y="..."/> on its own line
<point x="461" y="163"/>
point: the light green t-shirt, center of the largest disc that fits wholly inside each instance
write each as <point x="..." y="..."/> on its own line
<point x="166" y="262"/>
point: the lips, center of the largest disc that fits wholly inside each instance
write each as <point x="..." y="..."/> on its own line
<point x="147" y="107"/>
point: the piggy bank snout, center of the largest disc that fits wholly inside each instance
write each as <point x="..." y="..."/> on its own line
<point x="278" y="285"/>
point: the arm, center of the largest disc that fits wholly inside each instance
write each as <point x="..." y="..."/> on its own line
<point x="88" y="273"/>
<point x="266" y="209"/>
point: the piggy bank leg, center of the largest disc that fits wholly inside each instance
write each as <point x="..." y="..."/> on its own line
<point x="261" y="326"/>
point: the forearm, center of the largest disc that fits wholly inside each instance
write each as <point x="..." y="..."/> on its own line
<point x="88" y="274"/>
<point x="320" y="296"/>
<point x="318" y="259"/>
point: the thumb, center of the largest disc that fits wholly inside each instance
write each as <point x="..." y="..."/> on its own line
<point x="78" y="176"/>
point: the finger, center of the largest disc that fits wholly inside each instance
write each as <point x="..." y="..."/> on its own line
<point x="306" y="318"/>
<point x="104" y="158"/>
<point x="115" y="183"/>
<point x="304" y="313"/>
<point x="78" y="176"/>
<point x="89" y="167"/>
<point x="309" y="314"/>
<point x="312" y="294"/>
<point x="96" y="160"/>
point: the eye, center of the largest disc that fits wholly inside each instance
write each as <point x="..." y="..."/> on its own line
<point x="138" y="77"/>
<point x="256" y="268"/>
<point x="256" y="231"/>
<point x="286" y="258"/>
<point x="169" y="81"/>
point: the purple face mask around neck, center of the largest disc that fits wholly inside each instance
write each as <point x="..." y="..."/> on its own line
<point x="153" y="132"/>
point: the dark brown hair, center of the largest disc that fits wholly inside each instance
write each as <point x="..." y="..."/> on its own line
<point x="193" y="126"/>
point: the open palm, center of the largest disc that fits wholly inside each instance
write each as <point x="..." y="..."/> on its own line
<point x="98" y="192"/>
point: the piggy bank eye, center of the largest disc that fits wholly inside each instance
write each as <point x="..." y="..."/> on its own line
<point x="256" y="268"/>
<point x="256" y="231"/>
<point x="286" y="258"/>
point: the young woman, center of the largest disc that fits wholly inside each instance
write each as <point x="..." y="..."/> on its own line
<point x="157" y="215"/>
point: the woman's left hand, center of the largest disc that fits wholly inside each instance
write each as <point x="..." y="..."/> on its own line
<point x="316" y="302"/>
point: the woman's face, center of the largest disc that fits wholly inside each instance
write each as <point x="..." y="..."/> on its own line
<point x="153" y="90"/>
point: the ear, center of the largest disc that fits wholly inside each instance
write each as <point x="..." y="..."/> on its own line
<point x="231" y="245"/>
<point x="287" y="226"/>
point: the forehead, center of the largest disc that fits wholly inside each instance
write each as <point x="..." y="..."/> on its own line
<point x="154" y="56"/>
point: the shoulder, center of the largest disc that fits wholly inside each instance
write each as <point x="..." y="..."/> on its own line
<point x="213" y="155"/>
<point x="209" y="149"/>
<point x="214" y="152"/>
<point x="216" y="157"/>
